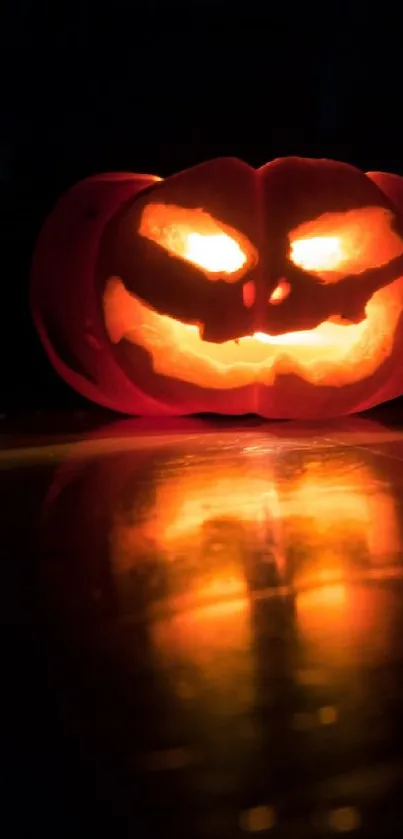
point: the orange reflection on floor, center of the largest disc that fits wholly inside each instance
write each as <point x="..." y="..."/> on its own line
<point x="204" y="525"/>
<point x="345" y="623"/>
<point x="342" y="519"/>
<point x="210" y="523"/>
<point x="201" y="493"/>
<point x="209" y="648"/>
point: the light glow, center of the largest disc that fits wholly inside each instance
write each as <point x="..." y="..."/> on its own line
<point x="338" y="244"/>
<point x="280" y="293"/>
<point x="209" y="525"/>
<point x="195" y="236"/>
<point x="330" y="353"/>
<point x="214" y="253"/>
<point x="323" y="253"/>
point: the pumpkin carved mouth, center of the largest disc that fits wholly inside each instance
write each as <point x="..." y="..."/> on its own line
<point x="349" y="352"/>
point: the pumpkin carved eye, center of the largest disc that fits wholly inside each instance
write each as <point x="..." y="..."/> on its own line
<point x="337" y="244"/>
<point x="196" y="237"/>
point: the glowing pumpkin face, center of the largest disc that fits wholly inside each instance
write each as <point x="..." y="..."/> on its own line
<point x="226" y="289"/>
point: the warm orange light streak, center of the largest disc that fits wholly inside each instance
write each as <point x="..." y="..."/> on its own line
<point x="195" y="236"/>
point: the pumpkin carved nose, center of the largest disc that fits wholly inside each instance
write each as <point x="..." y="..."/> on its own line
<point x="249" y="294"/>
<point x="280" y="292"/>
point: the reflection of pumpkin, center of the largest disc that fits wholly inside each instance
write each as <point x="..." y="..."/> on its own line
<point x="277" y="291"/>
<point x="342" y="623"/>
<point x="337" y="511"/>
<point x="207" y="527"/>
<point x="189" y="531"/>
<point x="215" y="526"/>
<point x="199" y="557"/>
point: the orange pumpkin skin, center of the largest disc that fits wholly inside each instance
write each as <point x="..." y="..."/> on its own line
<point x="225" y="289"/>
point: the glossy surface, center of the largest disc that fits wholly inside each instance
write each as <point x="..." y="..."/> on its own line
<point x="205" y="627"/>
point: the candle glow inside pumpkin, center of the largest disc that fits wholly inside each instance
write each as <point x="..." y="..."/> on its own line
<point x="333" y="352"/>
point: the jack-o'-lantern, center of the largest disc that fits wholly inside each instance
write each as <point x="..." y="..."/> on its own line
<point x="276" y="291"/>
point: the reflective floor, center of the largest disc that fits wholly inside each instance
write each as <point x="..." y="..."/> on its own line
<point x="205" y="629"/>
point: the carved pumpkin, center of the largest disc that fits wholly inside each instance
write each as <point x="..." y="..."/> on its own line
<point x="276" y="291"/>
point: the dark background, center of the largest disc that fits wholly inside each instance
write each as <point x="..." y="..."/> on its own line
<point x="85" y="91"/>
<point x="158" y="88"/>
